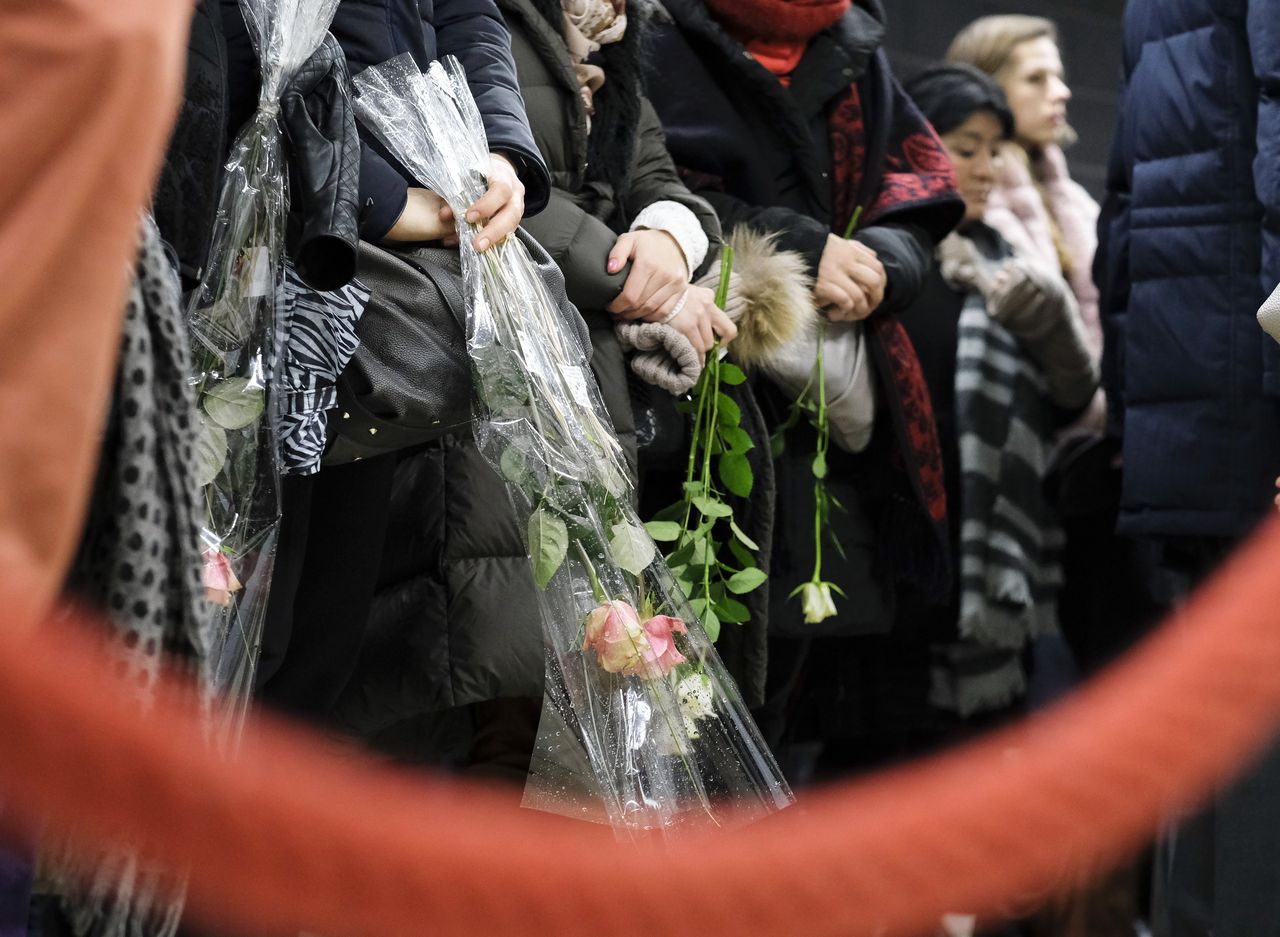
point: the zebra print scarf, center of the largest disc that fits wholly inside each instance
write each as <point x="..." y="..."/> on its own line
<point x="319" y="338"/>
<point x="1010" y="543"/>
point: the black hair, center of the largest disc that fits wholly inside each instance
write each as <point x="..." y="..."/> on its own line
<point x="948" y="95"/>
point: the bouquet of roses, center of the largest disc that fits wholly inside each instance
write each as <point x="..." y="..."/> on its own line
<point x="234" y="328"/>
<point x="642" y="725"/>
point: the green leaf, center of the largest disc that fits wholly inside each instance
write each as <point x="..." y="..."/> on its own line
<point x="731" y="374"/>
<point x="671" y="512"/>
<point x="548" y="545"/>
<point x="711" y="625"/>
<point x="819" y="466"/>
<point x="712" y="507"/>
<point x="513" y="464"/>
<point x="699" y="606"/>
<point x="736" y="439"/>
<point x="743" y="582"/>
<point x="729" y="413"/>
<point x="732" y="611"/>
<point x="778" y="443"/>
<point x="664" y="531"/>
<point x="735" y="472"/>
<point x="682" y="554"/>
<point x="211" y="452"/>
<point x="632" y="548"/>
<point x="742" y="554"/>
<point x="700" y="555"/>
<point x="742" y="537"/>
<point x="233" y="404"/>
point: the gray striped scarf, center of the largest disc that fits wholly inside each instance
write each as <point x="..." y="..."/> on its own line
<point x="1010" y="544"/>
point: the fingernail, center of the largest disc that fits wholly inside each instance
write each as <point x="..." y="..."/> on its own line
<point x="614" y="264"/>
<point x="473" y="216"/>
<point x="482" y="244"/>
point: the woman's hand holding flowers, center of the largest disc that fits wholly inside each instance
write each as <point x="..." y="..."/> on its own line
<point x="701" y="321"/>
<point x="851" y="280"/>
<point x="501" y="208"/>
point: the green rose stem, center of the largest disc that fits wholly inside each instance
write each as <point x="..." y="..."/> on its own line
<point x="821" y="501"/>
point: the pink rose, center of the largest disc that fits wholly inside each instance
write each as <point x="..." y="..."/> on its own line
<point x="624" y="645"/>
<point x="660" y="631"/>
<point x="614" y="632"/>
<point x="220" y="582"/>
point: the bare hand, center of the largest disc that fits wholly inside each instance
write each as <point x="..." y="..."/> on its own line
<point x="851" y="280"/>
<point x="1278" y="495"/>
<point x="658" y="278"/>
<point x="702" y="321"/>
<point x="426" y="217"/>
<point x="501" y="207"/>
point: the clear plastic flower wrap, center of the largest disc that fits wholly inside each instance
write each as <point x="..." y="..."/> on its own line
<point x="642" y="726"/>
<point x="235" y="338"/>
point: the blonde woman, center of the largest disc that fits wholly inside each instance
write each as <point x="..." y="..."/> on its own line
<point x="1034" y="203"/>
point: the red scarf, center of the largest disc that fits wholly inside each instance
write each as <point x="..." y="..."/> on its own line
<point x="794" y="21"/>
<point x="777" y="32"/>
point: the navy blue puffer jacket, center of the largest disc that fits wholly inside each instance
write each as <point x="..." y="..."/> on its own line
<point x="373" y="31"/>
<point x="1189" y="247"/>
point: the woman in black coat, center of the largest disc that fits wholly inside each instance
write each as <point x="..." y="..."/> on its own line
<point x="456" y="624"/>
<point x="333" y="524"/>
<point x="787" y="118"/>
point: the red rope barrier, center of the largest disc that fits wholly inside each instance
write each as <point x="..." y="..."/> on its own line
<point x="292" y="837"/>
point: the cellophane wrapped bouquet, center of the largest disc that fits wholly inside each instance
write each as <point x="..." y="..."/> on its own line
<point x="236" y="342"/>
<point x="642" y="727"/>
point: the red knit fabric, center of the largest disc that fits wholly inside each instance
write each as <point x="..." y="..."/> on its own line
<point x="916" y="170"/>
<point x="781" y="58"/>
<point x="793" y="21"/>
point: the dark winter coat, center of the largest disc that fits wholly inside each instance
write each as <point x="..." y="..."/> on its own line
<point x="1189" y="246"/>
<point x="186" y="198"/>
<point x="761" y="154"/>
<point x="373" y="31"/>
<point x="456" y="618"/>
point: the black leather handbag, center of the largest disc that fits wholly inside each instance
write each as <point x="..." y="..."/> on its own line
<point x="409" y="382"/>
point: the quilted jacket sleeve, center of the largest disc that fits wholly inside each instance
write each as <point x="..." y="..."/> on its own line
<point x="654" y="178"/>
<point x="1264" y="46"/>
<point x="1111" y="274"/>
<point x="474" y="32"/>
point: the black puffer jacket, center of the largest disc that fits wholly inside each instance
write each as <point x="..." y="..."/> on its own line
<point x="186" y="198"/>
<point x="456" y="617"/>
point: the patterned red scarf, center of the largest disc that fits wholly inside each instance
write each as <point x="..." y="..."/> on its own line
<point x="915" y="170"/>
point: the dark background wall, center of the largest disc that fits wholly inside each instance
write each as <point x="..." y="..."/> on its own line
<point x="921" y="30"/>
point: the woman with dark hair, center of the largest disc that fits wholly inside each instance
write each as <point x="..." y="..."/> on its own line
<point x="1005" y="355"/>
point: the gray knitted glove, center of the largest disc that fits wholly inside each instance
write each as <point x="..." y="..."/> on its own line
<point x="961" y="265"/>
<point x="663" y="357"/>
<point x="1037" y="307"/>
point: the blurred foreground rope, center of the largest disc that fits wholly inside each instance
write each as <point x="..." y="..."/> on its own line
<point x="291" y="837"/>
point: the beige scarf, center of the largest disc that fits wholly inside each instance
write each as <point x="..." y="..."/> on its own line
<point x="588" y="25"/>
